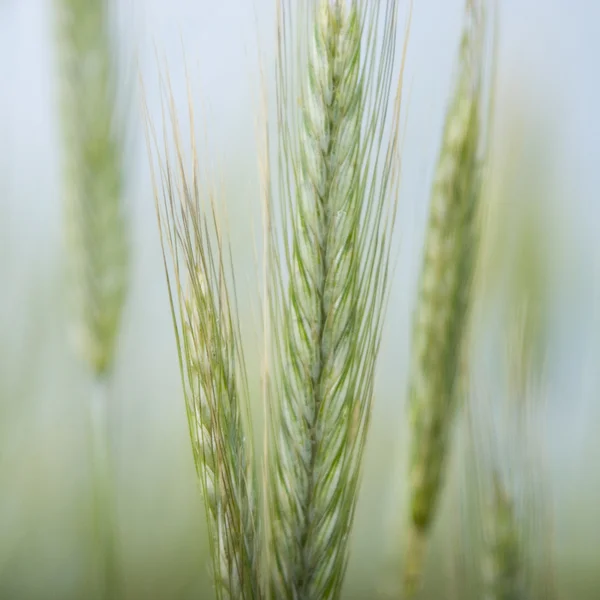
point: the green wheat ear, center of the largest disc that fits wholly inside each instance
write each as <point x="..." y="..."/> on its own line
<point x="441" y="319"/>
<point x="202" y="298"/>
<point x="96" y="222"/>
<point x="338" y="185"/>
<point x="97" y="232"/>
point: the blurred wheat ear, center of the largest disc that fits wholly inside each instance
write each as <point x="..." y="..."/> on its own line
<point x="96" y="220"/>
<point x="96" y="225"/>
<point x="202" y="296"/>
<point x="338" y="169"/>
<point x="442" y="314"/>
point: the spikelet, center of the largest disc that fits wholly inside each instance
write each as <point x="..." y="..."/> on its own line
<point x="96" y="223"/>
<point x="442" y="313"/>
<point x="329" y="287"/>
<point x="211" y="362"/>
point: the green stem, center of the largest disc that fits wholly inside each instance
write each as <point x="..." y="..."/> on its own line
<point x="104" y="509"/>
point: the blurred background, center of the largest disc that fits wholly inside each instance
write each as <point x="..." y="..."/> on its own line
<point x="547" y="145"/>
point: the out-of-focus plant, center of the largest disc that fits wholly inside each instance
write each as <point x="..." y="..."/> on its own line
<point x="443" y="312"/>
<point x="96" y="226"/>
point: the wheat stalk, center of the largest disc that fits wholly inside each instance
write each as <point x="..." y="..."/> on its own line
<point x="211" y="359"/>
<point x="441" y="320"/>
<point x="96" y="226"/>
<point x="338" y="186"/>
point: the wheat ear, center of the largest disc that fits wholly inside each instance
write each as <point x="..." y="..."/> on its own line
<point x="211" y="360"/>
<point x="442" y="312"/>
<point x="96" y="223"/>
<point x="96" y="226"/>
<point x="338" y="188"/>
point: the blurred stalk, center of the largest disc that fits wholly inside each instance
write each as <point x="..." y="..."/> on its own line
<point x="103" y="490"/>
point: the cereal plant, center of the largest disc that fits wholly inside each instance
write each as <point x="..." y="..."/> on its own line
<point x="331" y="174"/>
<point x="96" y="225"/>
